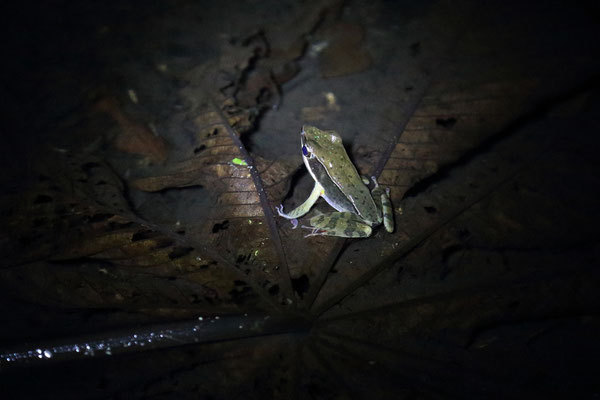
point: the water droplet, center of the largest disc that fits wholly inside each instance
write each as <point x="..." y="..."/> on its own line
<point x="200" y="318"/>
<point x="47" y="354"/>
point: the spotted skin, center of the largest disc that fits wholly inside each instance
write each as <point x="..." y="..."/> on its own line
<point x="340" y="224"/>
<point x="383" y="203"/>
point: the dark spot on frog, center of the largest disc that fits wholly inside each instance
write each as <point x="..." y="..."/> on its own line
<point x="409" y="88"/>
<point x="220" y="227"/>
<point x="446" y="122"/>
<point x="430" y="209"/>
<point x="199" y="149"/>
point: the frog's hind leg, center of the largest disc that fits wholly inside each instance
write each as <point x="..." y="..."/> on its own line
<point x="304" y="207"/>
<point x="382" y="200"/>
<point x="341" y="224"/>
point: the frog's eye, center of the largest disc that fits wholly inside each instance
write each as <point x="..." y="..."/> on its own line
<point x="305" y="151"/>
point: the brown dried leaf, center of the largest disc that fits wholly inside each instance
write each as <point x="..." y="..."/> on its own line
<point x="345" y="53"/>
<point x="235" y="223"/>
<point x="287" y="39"/>
<point x="127" y="262"/>
<point x="133" y="137"/>
<point x="450" y="120"/>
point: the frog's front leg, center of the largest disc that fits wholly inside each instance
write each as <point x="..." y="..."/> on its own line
<point x="304" y="207"/>
<point x="341" y="224"/>
<point x="383" y="203"/>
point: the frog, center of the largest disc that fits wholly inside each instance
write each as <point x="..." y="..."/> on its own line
<point x="358" y="210"/>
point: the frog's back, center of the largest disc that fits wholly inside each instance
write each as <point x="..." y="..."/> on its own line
<point x="332" y="155"/>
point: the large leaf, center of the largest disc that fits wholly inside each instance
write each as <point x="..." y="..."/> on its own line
<point x="474" y="116"/>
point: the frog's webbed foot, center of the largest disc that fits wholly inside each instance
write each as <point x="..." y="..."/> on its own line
<point x="315" y="231"/>
<point x="382" y="199"/>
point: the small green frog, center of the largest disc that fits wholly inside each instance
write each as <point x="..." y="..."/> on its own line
<point x="338" y="182"/>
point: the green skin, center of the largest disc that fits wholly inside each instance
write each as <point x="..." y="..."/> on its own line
<point x="338" y="182"/>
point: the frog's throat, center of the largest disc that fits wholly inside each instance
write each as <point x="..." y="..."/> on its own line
<point x="327" y="199"/>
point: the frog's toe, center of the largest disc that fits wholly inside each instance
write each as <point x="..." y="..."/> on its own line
<point x="315" y="231"/>
<point x="279" y="209"/>
<point x="294" y="223"/>
<point x="375" y="180"/>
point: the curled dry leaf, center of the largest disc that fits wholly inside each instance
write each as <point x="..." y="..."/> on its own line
<point x="287" y="39"/>
<point x="345" y="53"/>
<point x="133" y="137"/>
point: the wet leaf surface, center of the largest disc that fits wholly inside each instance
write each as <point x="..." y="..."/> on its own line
<point x="478" y="118"/>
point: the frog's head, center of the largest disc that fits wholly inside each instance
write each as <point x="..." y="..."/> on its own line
<point x="318" y="143"/>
